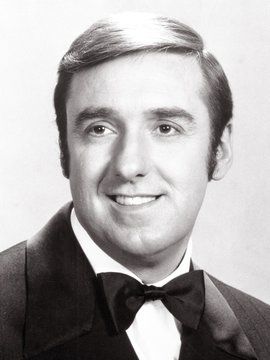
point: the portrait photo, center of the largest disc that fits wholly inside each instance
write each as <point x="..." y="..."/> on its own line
<point x="135" y="166"/>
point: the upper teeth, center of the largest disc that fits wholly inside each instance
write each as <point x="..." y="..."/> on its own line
<point x="133" y="200"/>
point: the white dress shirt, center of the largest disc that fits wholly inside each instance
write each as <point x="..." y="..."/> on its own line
<point x="154" y="334"/>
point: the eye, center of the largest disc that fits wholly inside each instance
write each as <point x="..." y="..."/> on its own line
<point x="99" y="130"/>
<point x="166" y="129"/>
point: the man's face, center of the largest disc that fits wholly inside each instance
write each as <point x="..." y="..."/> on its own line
<point x="138" y="138"/>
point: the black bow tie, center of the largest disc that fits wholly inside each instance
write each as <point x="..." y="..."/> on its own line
<point x="182" y="296"/>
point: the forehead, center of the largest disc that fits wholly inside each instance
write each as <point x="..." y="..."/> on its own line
<point x="139" y="81"/>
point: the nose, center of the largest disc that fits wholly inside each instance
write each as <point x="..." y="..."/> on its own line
<point x="131" y="159"/>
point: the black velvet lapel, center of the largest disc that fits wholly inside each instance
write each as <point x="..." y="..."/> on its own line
<point x="253" y="316"/>
<point x="63" y="318"/>
<point x="220" y="335"/>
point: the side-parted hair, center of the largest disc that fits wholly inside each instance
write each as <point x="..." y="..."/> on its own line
<point x="129" y="33"/>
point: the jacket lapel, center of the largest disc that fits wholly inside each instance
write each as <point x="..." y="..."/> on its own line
<point x="63" y="314"/>
<point x="253" y="316"/>
<point x="219" y="335"/>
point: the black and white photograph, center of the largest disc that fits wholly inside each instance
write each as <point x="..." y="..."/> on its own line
<point x="135" y="191"/>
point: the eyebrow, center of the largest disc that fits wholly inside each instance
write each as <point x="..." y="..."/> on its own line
<point x="93" y="112"/>
<point x="171" y="112"/>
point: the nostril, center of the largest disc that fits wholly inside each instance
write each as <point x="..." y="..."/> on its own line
<point x="129" y="176"/>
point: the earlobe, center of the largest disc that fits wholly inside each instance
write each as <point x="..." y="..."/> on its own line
<point x="224" y="154"/>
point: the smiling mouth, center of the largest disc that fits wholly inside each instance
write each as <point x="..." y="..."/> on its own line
<point x="133" y="200"/>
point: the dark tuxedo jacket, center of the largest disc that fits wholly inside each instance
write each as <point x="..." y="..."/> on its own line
<point x="50" y="308"/>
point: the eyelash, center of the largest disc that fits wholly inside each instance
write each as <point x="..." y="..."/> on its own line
<point x="169" y="127"/>
<point x="176" y="130"/>
<point x="90" y="130"/>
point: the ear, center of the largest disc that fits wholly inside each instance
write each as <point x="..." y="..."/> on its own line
<point x="224" y="154"/>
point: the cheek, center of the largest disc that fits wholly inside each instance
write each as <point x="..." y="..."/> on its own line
<point x="183" y="165"/>
<point x="90" y="160"/>
<point x="87" y="168"/>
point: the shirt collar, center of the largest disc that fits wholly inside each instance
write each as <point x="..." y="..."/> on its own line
<point x="102" y="262"/>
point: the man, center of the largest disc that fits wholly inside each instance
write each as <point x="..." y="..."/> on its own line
<point x="144" y="118"/>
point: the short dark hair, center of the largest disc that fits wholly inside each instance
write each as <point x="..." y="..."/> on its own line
<point x="124" y="34"/>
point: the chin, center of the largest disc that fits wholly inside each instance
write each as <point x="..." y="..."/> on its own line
<point x="145" y="247"/>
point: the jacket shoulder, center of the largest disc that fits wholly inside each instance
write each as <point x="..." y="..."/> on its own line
<point x="12" y="300"/>
<point x="12" y="269"/>
<point x="14" y="282"/>
<point x="9" y="257"/>
<point x="245" y="300"/>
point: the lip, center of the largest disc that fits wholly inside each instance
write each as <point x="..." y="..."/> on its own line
<point x="127" y="194"/>
<point x="135" y="207"/>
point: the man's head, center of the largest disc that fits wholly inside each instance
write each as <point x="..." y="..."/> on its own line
<point x="143" y="126"/>
<point x="131" y="33"/>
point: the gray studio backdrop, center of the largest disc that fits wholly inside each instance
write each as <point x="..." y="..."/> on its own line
<point x="231" y="238"/>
